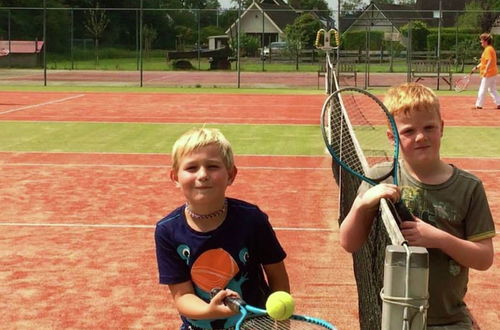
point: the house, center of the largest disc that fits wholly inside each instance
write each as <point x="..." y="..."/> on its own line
<point x="22" y="53"/>
<point x="267" y="20"/>
<point x="429" y="10"/>
<point x="381" y="17"/>
<point x="390" y="18"/>
<point x="217" y="42"/>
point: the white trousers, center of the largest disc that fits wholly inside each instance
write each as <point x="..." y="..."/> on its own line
<point x="488" y="85"/>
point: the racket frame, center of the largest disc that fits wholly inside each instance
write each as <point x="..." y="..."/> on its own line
<point x="401" y="211"/>
<point x="336" y="156"/>
<point x="466" y="79"/>
<point x="239" y="305"/>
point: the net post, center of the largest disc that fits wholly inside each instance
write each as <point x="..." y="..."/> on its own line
<point x="405" y="291"/>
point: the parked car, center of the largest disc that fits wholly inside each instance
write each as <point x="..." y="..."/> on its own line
<point x="277" y="47"/>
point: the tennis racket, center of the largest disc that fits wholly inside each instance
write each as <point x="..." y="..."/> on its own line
<point x="462" y="83"/>
<point x="354" y="125"/>
<point x="255" y="318"/>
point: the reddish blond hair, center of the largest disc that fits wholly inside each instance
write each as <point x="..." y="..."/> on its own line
<point x="410" y="97"/>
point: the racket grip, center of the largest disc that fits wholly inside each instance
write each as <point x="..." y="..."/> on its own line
<point x="233" y="303"/>
<point x="403" y="213"/>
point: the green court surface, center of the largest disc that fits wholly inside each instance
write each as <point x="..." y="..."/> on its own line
<point x="246" y="139"/>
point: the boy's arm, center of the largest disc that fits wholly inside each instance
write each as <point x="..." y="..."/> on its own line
<point x="477" y="255"/>
<point x="277" y="277"/>
<point x="191" y="306"/>
<point x="356" y="226"/>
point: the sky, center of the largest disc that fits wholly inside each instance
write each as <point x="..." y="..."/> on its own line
<point x="332" y="4"/>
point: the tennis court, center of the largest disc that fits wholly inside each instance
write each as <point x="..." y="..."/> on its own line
<point x="79" y="209"/>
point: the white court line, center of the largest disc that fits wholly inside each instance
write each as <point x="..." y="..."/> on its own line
<point x="104" y="225"/>
<point x="168" y="166"/>
<point x="42" y="104"/>
<point x="156" y="166"/>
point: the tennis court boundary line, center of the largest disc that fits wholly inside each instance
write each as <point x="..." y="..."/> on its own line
<point x="111" y="226"/>
<point x="157" y="166"/>
<point x="42" y="104"/>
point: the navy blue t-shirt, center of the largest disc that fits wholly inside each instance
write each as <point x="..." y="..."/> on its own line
<point x="231" y="256"/>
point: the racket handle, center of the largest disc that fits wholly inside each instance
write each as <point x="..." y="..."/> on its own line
<point x="402" y="212"/>
<point x="233" y="303"/>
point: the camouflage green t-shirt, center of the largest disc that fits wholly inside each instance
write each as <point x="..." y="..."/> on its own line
<point x="458" y="206"/>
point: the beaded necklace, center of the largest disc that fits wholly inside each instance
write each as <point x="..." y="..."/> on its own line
<point x="214" y="214"/>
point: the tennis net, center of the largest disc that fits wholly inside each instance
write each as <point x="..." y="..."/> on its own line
<point x="369" y="260"/>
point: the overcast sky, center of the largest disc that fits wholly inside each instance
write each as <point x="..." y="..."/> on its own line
<point x="227" y="3"/>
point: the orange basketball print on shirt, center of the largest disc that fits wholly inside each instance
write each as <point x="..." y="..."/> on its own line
<point x="213" y="269"/>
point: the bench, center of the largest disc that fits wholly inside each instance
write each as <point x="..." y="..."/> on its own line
<point x="346" y="69"/>
<point x="422" y="69"/>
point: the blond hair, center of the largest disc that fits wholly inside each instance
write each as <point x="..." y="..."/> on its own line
<point x="201" y="137"/>
<point x="410" y="97"/>
<point x="486" y="37"/>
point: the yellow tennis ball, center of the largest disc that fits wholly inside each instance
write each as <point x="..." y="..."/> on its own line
<point x="280" y="305"/>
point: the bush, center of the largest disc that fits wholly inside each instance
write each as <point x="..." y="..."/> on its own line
<point x="419" y="33"/>
<point x="356" y="40"/>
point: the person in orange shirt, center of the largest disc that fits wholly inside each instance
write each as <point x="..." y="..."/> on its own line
<point x="488" y="70"/>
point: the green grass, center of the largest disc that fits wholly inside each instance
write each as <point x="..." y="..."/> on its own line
<point x="153" y="138"/>
<point x="212" y="90"/>
<point x="246" y="139"/>
<point x="249" y="64"/>
<point x="456" y="142"/>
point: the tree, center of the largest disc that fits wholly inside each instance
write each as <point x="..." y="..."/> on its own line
<point x="479" y="14"/>
<point x="321" y="5"/>
<point x="419" y="33"/>
<point x="351" y="6"/>
<point x="96" y="23"/>
<point x="301" y="35"/>
<point x="149" y="35"/>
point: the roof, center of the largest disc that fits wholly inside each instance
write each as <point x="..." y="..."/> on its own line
<point x="400" y="15"/>
<point x="281" y="15"/>
<point x="22" y="46"/>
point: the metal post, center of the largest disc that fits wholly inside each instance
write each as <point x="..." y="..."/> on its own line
<point x="199" y="38"/>
<point x="367" y="47"/>
<point x="408" y="53"/>
<point x="439" y="45"/>
<point x="340" y="34"/>
<point x="137" y="47"/>
<point x="456" y="41"/>
<point x="72" y="39"/>
<point x="262" y="44"/>
<point x="140" y="42"/>
<point x="406" y="276"/>
<point x="44" y="42"/>
<point x="238" y="63"/>
<point x="9" y="36"/>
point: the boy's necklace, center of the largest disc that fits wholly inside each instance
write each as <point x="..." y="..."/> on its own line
<point x="214" y="214"/>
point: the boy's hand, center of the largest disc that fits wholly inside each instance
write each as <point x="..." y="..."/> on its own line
<point x="371" y="198"/>
<point x="420" y="233"/>
<point x="217" y="305"/>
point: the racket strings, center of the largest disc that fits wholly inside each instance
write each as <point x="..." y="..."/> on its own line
<point x="363" y="118"/>
<point x="340" y="138"/>
<point x="462" y="83"/>
<point x="265" y="322"/>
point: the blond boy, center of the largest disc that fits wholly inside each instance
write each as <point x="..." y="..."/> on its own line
<point x="213" y="241"/>
<point x="452" y="217"/>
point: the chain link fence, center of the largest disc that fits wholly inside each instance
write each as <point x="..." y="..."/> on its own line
<point x="259" y="46"/>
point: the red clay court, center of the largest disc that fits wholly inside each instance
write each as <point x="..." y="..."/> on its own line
<point x="77" y="247"/>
